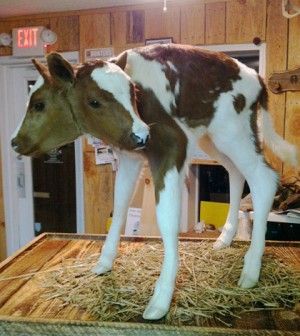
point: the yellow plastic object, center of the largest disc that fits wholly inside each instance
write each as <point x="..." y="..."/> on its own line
<point x="213" y="213"/>
<point x="108" y="224"/>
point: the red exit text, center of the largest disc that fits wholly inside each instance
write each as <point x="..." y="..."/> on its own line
<point x="27" y="37"/>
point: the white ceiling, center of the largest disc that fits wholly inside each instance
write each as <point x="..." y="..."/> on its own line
<point x="26" y="7"/>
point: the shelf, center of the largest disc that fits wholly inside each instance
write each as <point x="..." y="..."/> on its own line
<point x="198" y="161"/>
<point x="273" y="217"/>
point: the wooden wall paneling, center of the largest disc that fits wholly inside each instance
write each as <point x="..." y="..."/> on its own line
<point x="2" y="219"/>
<point x="143" y="197"/>
<point x="67" y="30"/>
<point x="119" y="49"/>
<point x="86" y="146"/>
<point x="127" y="30"/>
<point x="118" y="28"/>
<point x="135" y="26"/>
<point x="192" y="24"/>
<point x="98" y="194"/>
<point x="215" y="20"/>
<point x="276" y="60"/>
<point x="138" y="194"/>
<point x="39" y="21"/>
<point x="94" y="31"/>
<point x="292" y="118"/>
<point x="148" y="224"/>
<point x="159" y="24"/>
<point x="245" y="19"/>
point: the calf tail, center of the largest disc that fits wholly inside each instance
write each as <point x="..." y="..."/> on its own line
<point x="286" y="152"/>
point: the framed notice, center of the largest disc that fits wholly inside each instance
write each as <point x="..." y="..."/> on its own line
<point x="98" y="53"/>
<point x="164" y="40"/>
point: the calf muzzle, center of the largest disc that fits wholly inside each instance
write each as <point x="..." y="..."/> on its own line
<point x="139" y="141"/>
<point x="14" y="144"/>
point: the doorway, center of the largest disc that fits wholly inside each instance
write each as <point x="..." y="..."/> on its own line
<point x="54" y="189"/>
<point x="35" y="197"/>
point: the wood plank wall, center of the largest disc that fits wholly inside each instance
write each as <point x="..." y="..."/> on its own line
<point x="2" y="221"/>
<point x="191" y="22"/>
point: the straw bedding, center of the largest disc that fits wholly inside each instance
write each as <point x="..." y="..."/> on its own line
<point x="206" y="286"/>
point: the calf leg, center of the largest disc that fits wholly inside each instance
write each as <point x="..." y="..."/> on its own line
<point x="236" y="180"/>
<point x="262" y="181"/>
<point x="127" y="174"/>
<point x="168" y="216"/>
<point x="263" y="184"/>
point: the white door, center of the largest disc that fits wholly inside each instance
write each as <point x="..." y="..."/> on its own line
<point x="17" y="171"/>
<point x="19" y="221"/>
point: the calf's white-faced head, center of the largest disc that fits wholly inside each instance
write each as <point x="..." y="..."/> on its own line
<point x="48" y="122"/>
<point x="104" y="102"/>
<point x="98" y="99"/>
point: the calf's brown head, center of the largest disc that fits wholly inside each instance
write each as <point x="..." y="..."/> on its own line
<point x="98" y="99"/>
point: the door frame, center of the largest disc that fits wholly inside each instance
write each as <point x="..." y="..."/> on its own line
<point x="14" y="232"/>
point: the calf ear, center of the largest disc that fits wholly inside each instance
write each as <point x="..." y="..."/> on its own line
<point x="60" y="69"/>
<point x="120" y="60"/>
<point x="42" y="69"/>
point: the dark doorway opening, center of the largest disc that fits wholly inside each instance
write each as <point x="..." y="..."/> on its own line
<point x="54" y="190"/>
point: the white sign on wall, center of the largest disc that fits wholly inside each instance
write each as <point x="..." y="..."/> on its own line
<point x="133" y="222"/>
<point x="98" y="53"/>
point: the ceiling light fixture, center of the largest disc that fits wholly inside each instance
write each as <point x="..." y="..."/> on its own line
<point x="165" y="6"/>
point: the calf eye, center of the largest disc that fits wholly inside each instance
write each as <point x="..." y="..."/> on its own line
<point x="94" y="103"/>
<point x="39" y="106"/>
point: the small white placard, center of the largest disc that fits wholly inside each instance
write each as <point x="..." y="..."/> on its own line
<point x="102" y="53"/>
<point x="133" y="221"/>
<point x="104" y="155"/>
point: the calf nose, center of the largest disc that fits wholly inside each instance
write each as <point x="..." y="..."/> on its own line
<point x="139" y="141"/>
<point x="14" y="143"/>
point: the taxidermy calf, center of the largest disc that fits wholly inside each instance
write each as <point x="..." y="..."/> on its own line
<point x="160" y="102"/>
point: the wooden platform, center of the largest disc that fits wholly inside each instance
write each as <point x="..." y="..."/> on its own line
<point x="19" y="311"/>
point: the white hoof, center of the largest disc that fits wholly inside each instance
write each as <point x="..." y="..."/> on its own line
<point x="160" y="302"/>
<point x="101" y="269"/>
<point x="247" y="281"/>
<point x="220" y="244"/>
<point x="155" y="311"/>
<point x="251" y="270"/>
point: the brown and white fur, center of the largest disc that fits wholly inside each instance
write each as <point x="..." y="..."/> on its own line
<point x="159" y="103"/>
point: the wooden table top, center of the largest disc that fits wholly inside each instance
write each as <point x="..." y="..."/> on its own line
<point x="19" y="294"/>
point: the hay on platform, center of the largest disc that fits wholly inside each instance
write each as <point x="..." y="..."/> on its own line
<point x="206" y="284"/>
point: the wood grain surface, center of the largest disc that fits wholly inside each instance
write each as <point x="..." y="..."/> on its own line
<point x="19" y="297"/>
<point x="245" y="19"/>
<point x="2" y="219"/>
<point x="215" y="23"/>
<point x="192" y="24"/>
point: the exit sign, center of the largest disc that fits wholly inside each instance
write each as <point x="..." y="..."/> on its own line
<point x="27" y="41"/>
